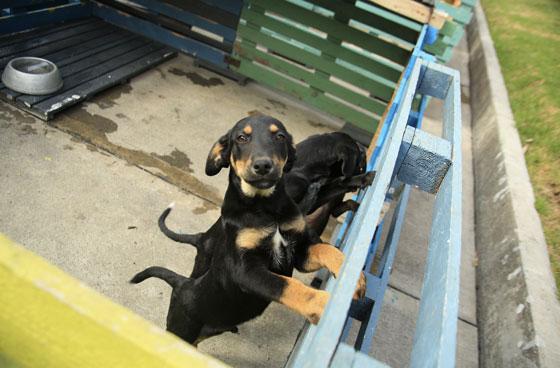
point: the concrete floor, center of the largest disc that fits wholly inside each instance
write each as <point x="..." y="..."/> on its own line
<point x="85" y="191"/>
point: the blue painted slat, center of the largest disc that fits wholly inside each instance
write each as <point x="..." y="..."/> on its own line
<point x="436" y="329"/>
<point x="307" y="337"/>
<point x="324" y="337"/>
<point x="179" y="14"/>
<point x="22" y="21"/>
<point x="343" y="357"/>
<point x="188" y="45"/>
<point x="362" y="360"/>
<point x="365" y="336"/>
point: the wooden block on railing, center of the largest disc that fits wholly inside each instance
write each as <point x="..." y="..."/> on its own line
<point x="417" y="11"/>
<point x="424" y="159"/>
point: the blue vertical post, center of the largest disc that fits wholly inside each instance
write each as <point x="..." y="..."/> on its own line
<point x="435" y="339"/>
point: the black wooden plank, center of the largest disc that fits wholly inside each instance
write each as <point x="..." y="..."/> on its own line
<point x="109" y="60"/>
<point x="67" y="43"/>
<point x="12" y="38"/>
<point x="207" y="11"/>
<point x="168" y="22"/>
<point x="84" y="50"/>
<point x="40" y="40"/>
<point x="47" y="108"/>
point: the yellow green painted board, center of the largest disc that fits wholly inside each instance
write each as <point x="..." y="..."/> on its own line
<point x="48" y="319"/>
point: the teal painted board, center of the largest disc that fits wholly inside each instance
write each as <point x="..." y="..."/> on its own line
<point x="436" y="328"/>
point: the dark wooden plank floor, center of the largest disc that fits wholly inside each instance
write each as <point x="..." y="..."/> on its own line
<point x="92" y="55"/>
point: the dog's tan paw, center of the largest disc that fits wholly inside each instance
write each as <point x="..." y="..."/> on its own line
<point x="361" y="287"/>
<point x="316" y="306"/>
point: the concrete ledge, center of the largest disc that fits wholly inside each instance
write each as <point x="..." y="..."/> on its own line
<point x="518" y="312"/>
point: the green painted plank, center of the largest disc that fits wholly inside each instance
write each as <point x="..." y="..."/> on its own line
<point x="394" y="17"/>
<point x="326" y="46"/>
<point x="308" y="95"/>
<point x="336" y="29"/>
<point x="380" y="88"/>
<point x="461" y="14"/>
<point x="376" y="21"/>
<point x="249" y="53"/>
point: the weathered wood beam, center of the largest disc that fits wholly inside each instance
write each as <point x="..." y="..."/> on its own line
<point x="416" y="11"/>
<point x="424" y="160"/>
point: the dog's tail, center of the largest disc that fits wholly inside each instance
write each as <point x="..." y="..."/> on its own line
<point x="173" y="279"/>
<point x="193" y="239"/>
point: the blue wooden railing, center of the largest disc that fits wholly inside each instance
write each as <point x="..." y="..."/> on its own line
<point x="435" y="339"/>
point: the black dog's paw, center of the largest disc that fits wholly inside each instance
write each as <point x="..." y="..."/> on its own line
<point x="348" y="205"/>
<point x="368" y="179"/>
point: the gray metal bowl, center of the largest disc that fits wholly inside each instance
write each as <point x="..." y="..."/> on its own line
<point x="32" y="76"/>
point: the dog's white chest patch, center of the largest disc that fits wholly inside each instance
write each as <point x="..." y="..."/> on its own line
<point x="278" y="246"/>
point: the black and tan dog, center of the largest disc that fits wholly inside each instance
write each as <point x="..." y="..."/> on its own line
<point x="327" y="167"/>
<point x="264" y="237"/>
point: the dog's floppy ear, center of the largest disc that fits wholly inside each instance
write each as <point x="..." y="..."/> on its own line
<point x="218" y="157"/>
<point x="291" y="153"/>
<point x="350" y="161"/>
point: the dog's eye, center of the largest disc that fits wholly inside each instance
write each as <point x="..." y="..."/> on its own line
<point x="280" y="137"/>
<point x="242" y="138"/>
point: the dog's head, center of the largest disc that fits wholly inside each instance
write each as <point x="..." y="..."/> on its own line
<point x="351" y="155"/>
<point x="258" y="148"/>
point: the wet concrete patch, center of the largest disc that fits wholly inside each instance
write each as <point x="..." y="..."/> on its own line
<point x="93" y="129"/>
<point x="13" y="115"/>
<point x="277" y="104"/>
<point x="206" y="206"/>
<point x="108" y="99"/>
<point x="27" y="129"/>
<point x="197" y="78"/>
<point x="178" y="159"/>
<point x="316" y="124"/>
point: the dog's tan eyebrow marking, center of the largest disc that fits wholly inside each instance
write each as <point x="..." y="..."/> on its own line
<point x="297" y="225"/>
<point x="273" y="128"/>
<point x="251" y="237"/>
<point x="248" y="129"/>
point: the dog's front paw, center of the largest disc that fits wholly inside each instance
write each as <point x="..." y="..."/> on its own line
<point x="361" y="287"/>
<point x="368" y="179"/>
<point x="316" y="306"/>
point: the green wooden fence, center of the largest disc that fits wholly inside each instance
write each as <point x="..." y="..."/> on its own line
<point x="342" y="57"/>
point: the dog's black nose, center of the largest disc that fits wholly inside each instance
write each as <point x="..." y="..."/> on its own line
<point x="262" y="166"/>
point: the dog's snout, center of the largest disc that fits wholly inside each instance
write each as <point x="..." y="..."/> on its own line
<point x="262" y="166"/>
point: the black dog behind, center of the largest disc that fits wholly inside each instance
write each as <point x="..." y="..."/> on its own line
<point x="327" y="167"/>
<point x="262" y="235"/>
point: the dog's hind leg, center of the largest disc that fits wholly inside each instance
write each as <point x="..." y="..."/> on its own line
<point x="193" y="239"/>
<point x="181" y="324"/>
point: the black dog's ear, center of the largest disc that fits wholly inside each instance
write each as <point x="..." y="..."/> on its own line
<point x="218" y="157"/>
<point x="291" y="153"/>
<point x="350" y="161"/>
